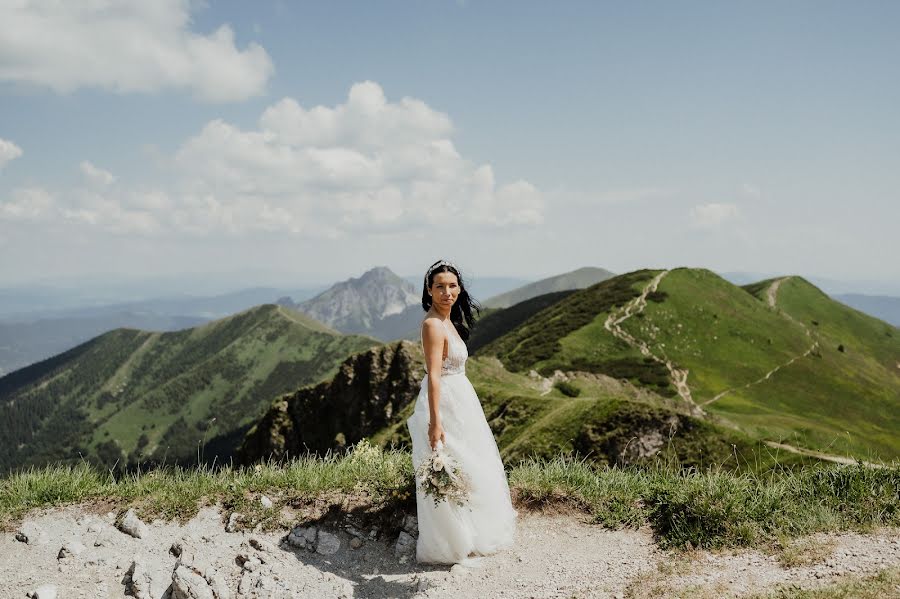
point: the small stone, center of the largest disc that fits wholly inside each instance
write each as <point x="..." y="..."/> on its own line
<point x="218" y="585"/>
<point x="47" y="591"/>
<point x="233" y="521"/>
<point x="139" y="583"/>
<point x="266" y="502"/>
<point x="187" y="584"/>
<point x="411" y="525"/>
<point x="405" y="544"/>
<point x="327" y="543"/>
<point x="132" y="525"/>
<point x="31" y="534"/>
<point x="302" y="537"/>
<point x="356" y="543"/>
<point x="260" y="545"/>
<point x="69" y="549"/>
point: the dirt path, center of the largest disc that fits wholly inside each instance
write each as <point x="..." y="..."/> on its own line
<point x="772" y="291"/>
<point x="615" y="319"/>
<point x="838" y="459"/>
<point x="557" y="555"/>
<point x="771" y="299"/>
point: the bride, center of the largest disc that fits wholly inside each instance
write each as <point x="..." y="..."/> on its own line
<point x="449" y="413"/>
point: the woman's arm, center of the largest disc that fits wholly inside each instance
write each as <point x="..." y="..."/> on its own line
<point x="433" y="343"/>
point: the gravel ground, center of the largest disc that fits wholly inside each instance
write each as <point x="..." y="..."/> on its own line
<point x="557" y="555"/>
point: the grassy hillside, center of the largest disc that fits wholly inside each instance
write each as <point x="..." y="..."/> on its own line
<point x="131" y="395"/>
<point x="807" y="370"/>
<point x="496" y="322"/>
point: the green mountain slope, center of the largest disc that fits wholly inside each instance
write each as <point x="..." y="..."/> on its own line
<point x="576" y="279"/>
<point x="496" y="322"/>
<point x="727" y="356"/>
<point x="133" y="395"/>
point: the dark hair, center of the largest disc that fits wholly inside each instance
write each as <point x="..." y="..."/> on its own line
<point x="461" y="312"/>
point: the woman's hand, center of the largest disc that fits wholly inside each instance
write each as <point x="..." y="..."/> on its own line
<point x="435" y="433"/>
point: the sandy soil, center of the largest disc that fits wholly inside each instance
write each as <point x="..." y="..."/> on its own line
<point x="557" y="555"/>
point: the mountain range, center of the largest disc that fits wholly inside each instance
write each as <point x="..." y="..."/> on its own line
<point x="643" y="363"/>
<point x="38" y="322"/>
<point x="622" y="369"/>
<point x="132" y="396"/>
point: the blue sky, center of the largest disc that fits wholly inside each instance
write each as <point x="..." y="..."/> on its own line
<point x="540" y="137"/>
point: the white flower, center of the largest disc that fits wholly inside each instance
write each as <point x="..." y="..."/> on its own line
<point x="437" y="463"/>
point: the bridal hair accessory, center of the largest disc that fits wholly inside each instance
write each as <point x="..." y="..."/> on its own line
<point x="436" y="266"/>
<point x="440" y="477"/>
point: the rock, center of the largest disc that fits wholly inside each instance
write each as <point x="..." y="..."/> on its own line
<point x="266" y="502"/>
<point x="252" y="564"/>
<point x="139" y="583"/>
<point x="405" y="544"/>
<point x="198" y="562"/>
<point x="31" y="534"/>
<point x="46" y="591"/>
<point x="132" y="525"/>
<point x="218" y="585"/>
<point x="411" y="525"/>
<point x="356" y="542"/>
<point x="245" y="584"/>
<point x="302" y="537"/>
<point x="327" y="543"/>
<point x="233" y="521"/>
<point x="176" y="549"/>
<point x="187" y="584"/>
<point x="69" y="549"/>
<point x="260" y="545"/>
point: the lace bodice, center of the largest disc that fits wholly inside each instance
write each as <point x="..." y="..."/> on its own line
<point x="457" y="352"/>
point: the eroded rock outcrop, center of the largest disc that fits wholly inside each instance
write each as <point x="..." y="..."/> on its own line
<point x="367" y="394"/>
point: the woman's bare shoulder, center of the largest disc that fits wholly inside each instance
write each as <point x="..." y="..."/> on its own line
<point x="432" y="325"/>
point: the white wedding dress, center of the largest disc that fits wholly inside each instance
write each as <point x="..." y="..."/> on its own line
<point x="449" y="533"/>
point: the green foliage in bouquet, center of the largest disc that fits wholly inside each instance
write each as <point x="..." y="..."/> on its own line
<point x="440" y="478"/>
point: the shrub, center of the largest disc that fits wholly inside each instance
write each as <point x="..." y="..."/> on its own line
<point x="567" y="388"/>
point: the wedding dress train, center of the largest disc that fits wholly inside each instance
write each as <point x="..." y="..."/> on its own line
<point x="449" y="533"/>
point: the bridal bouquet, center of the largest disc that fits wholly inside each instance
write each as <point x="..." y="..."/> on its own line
<point x="441" y="478"/>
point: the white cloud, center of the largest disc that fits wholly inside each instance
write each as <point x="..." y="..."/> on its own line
<point x="8" y="152"/>
<point x="365" y="166"/>
<point x="125" y="46"/>
<point x="713" y="214"/>
<point x="95" y="175"/>
<point x="27" y="204"/>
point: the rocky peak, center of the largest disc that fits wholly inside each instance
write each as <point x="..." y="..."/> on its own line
<point x="358" y="305"/>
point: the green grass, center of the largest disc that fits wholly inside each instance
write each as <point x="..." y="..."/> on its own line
<point x="685" y="507"/>
<point x="538" y="341"/>
<point x="728" y="337"/>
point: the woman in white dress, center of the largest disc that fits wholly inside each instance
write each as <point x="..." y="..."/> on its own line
<point x="449" y="413"/>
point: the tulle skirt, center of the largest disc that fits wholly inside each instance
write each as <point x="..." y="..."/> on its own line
<point x="449" y="533"/>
